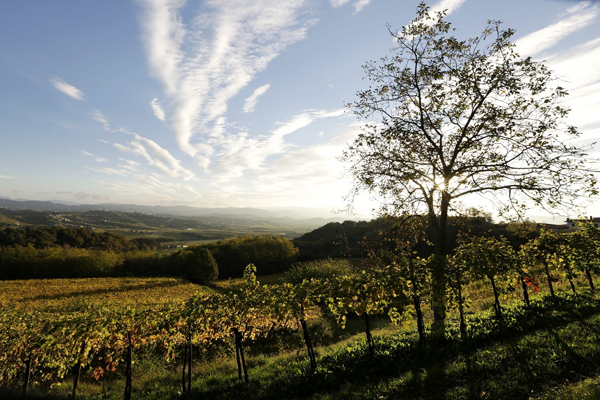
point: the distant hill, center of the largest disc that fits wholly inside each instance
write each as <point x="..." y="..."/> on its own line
<point x="306" y="217"/>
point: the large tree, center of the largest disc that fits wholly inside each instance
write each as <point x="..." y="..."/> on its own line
<point x="447" y="118"/>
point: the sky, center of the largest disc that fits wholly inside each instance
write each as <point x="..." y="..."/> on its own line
<point x="229" y="103"/>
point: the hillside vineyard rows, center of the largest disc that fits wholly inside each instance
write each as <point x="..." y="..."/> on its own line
<point x="42" y="346"/>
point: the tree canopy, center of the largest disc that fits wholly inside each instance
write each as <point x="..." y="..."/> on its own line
<point x="449" y="118"/>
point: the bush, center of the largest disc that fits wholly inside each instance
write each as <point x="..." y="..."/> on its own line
<point x="321" y="269"/>
<point x="270" y="254"/>
<point x="197" y="264"/>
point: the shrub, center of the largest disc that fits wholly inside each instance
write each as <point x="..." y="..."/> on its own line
<point x="197" y="264"/>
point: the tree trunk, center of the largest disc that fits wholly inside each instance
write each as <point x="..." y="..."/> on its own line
<point x="420" y="323"/>
<point x="590" y="280"/>
<point x="189" y="385"/>
<point x="128" y="368"/>
<point x="240" y="354"/>
<point x="461" y="308"/>
<point x="570" y="278"/>
<point x="183" y="381"/>
<point x="549" y="279"/>
<point x="496" y="300"/>
<point x="309" y="346"/>
<point x="77" y="372"/>
<point x="370" y="341"/>
<point x="438" y="276"/>
<point x="241" y="344"/>
<point x="237" y="355"/>
<point x="27" y="374"/>
<point x="572" y="286"/>
<point x="525" y="292"/>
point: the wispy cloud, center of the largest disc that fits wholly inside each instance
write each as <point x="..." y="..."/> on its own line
<point x="446" y="5"/>
<point x="98" y="116"/>
<point x="205" y="63"/>
<point x="156" y="156"/>
<point x="308" y="177"/>
<point x="129" y="164"/>
<point x="240" y="153"/>
<point x="338" y="3"/>
<point x="304" y="119"/>
<point x="6" y="177"/>
<point x="84" y="195"/>
<point x="98" y="159"/>
<point x="575" y="18"/>
<point x="110" y="171"/>
<point x="578" y="68"/>
<point x="250" y="102"/>
<point x="144" y="188"/>
<point x="67" y="89"/>
<point x="358" y="5"/>
<point x="158" y="110"/>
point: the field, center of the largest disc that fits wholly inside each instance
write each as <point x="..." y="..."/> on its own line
<point x="546" y="351"/>
<point x="60" y="295"/>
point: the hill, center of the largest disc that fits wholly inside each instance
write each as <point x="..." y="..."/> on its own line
<point x="291" y="216"/>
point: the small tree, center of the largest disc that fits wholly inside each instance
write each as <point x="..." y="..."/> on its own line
<point x="452" y="118"/>
<point x="584" y="250"/>
<point x="488" y="257"/>
<point x="523" y="268"/>
<point x="552" y="250"/>
<point x="292" y="302"/>
<point x="199" y="265"/>
<point x="370" y="291"/>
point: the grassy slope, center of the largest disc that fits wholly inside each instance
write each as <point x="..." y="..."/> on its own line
<point x="547" y="351"/>
<point x="538" y="352"/>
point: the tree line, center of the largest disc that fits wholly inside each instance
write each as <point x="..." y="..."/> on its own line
<point x="82" y="238"/>
<point x="36" y="253"/>
<point x="347" y="239"/>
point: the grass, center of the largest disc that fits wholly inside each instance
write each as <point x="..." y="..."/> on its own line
<point x="588" y="389"/>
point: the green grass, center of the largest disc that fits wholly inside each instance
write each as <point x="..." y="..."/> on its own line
<point x="588" y="389"/>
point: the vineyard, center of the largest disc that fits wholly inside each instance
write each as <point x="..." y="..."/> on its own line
<point x="505" y="307"/>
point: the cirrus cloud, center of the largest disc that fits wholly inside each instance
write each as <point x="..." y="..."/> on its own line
<point x="156" y="156"/>
<point x="203" y="64"/>
<point x="250" y="102"/>
<point x="67" y="89"/>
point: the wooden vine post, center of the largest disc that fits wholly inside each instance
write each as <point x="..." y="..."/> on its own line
<point x="370" y="341"/>
<point x="183" y="380"/>
<point x="77" y="371"/>
<point x="28" y="366"/>
<point x="309" y="347"/>
<point x="189" y="385"/>
<point x="239" y="351"/>
<point x="128" y="367"/>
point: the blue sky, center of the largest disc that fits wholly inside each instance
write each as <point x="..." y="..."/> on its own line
<point x="228" y="102"/>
